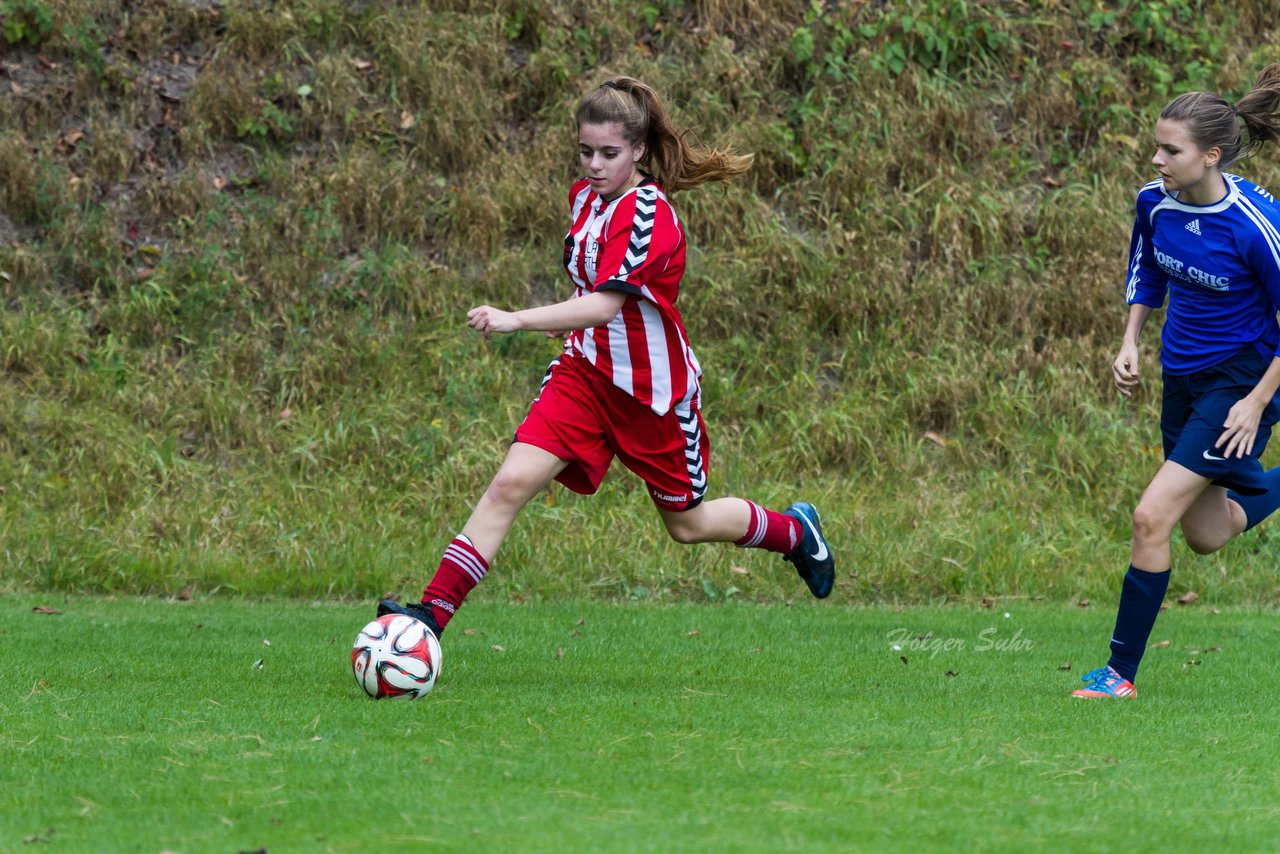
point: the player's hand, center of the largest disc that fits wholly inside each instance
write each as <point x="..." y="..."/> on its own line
<point x="487" y="319"/>
<point x="1241" y="428"/>
<point x="1125" y="369"/>
<point x="556" y="335"/>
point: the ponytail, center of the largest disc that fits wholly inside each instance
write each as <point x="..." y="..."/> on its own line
<point x="675" y="161"/>
<point x="1211" y="121"/>
<point x="1259" y="109"/>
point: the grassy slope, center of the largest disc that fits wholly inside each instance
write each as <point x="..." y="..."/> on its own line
<point x="237" y="243"/>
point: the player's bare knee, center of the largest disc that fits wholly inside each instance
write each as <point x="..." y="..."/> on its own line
<point x="1149" y="525"/>
<point x="509" y="487"/>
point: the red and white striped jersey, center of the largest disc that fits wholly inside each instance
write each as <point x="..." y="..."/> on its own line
<point x="633" y="244"/>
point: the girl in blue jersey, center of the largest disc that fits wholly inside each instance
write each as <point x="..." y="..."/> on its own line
<point x="1209" y="241"/>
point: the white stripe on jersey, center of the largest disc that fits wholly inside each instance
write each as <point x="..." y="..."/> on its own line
<point x="620" y="355"/>
<point x="583" y="195"/>
<point x="1131" y="287"/>
<point x="655" y="337"/>
<point x="1265" y="227"/>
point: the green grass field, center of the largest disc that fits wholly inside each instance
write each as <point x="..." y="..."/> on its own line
<point x="149" y="725"/>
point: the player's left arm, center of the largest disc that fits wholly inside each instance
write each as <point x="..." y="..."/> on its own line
<point x="1241" y="425"/>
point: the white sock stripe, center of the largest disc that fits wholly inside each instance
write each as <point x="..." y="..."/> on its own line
<point x="468" y="562"/>
<point x="759" y="526"/>
<point x="762" y="523"/>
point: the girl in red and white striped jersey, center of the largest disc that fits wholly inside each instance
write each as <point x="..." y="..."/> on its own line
<point x="626" y="385"/>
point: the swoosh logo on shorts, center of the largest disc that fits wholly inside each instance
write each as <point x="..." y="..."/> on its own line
<point x="821" y="553"/>
<point x="1209" y="456"/>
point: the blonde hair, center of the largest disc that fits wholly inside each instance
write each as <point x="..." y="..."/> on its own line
<point x="674" y="161"/>
<point x="1211" y="121"/>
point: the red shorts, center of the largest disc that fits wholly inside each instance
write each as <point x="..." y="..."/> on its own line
<point x="583" y="418"/>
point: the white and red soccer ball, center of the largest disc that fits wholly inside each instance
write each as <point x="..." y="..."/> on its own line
<point x="397" y="657"/>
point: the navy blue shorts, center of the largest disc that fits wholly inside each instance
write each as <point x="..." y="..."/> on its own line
<point x="1194" y="408"/>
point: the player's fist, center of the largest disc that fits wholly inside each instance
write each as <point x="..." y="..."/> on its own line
<point x="1124" y="370"/>
<point x="486" y="318"/>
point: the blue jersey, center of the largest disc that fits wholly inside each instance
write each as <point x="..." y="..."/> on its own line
<point x="1219" y="265"/>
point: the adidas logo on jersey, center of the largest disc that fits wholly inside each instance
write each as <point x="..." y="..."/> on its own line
<point x="1194" y="226"/>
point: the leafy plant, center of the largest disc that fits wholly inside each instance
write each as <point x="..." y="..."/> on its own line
<point x="939" y="35"/>
<point x="29" y="21"/>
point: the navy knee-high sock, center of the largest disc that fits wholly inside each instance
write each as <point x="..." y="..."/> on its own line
<point x="1258" y="507"/>
<point x="1140" y="600"/>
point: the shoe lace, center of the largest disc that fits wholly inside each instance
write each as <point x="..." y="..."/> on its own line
<point x="1097" y="679"/>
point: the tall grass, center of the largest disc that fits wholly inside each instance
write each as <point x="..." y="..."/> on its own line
<point x="237" y="243"/>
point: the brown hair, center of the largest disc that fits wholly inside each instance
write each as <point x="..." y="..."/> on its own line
<point x="677" y="163"/>
<point x="1211" y="121"/>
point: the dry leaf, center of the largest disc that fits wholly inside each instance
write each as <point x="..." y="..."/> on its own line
<point x="693" y="632"/>
<point x="1066" y="665"/>
<point x="936" y="438"/>
<point x="1084" y="603"/>
<point x="740" y="570"/>
<point x="45" y="609"/>
<point x="361" y="64"/>
<point x="219" y="182"/>
<point x="1214" y="649"/>
<point x="559" y="653"/>
<point x="407" y="120"/>
<point x="1188" y="597"/>
<point x="1161" y="645"/>
<point x="471" y="631"/>
<point x="497" y="647"/>
<point x="987" y="603"/>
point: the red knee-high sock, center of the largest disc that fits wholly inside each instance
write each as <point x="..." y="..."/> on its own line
<point x="775" y="532"/>
<point x="461" y="569"/>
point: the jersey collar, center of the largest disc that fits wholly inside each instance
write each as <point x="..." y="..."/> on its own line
<point x="1170" y="202"/>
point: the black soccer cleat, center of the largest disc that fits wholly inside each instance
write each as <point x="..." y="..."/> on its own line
<point x="418" y="610"/>
<point x="812" y="558"/>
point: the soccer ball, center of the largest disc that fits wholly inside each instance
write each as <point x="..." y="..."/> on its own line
<point x="396" y="656"/>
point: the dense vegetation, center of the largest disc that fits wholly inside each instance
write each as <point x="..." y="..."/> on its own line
<point x="237" y="243"/>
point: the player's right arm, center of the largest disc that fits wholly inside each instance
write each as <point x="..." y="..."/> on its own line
<point x="593" y="309"/>
<point x="1125" y="368"/>
<point x="1145" y="291"/>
